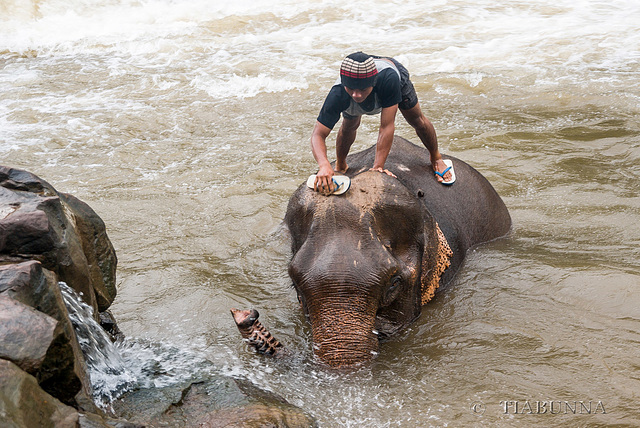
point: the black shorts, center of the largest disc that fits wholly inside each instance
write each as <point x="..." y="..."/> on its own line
<point x="409" y="96"/>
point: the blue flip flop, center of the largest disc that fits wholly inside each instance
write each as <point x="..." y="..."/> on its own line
<point x="449" y="165"/>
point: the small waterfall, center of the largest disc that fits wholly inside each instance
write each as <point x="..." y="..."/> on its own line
<point x="116" y="368"/>
<point x="108" y="371"/>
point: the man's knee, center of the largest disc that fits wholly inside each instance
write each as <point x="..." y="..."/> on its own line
<point x="415" y="118"/>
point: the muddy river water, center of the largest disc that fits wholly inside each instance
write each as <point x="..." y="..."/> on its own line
<point x="186" y="125"/>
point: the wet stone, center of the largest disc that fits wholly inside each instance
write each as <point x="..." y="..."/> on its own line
<point x="25" y="334"/>
<point x="218" y="401"/>
<point x="24" y="404"/>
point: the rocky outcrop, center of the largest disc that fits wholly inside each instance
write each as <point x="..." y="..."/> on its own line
<point x="31" y="305"/>
<point x="27" y="334"/>
<point x="25" y="404"/>
<point x="48" y="237"/>
<point x="216" y="401"/>
<point x="61" y="232"/>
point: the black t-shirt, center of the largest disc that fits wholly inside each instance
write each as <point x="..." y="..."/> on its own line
<point x="386" y="93"/>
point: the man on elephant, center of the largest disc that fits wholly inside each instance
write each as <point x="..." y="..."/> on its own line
<point x="371" y="85"/>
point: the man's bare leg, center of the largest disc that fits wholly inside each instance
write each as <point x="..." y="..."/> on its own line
<point x="427" y="134"/>
<point x="345" y="138"/>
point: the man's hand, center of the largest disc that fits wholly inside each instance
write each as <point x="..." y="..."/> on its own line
<point x="384" y="171"/>
<point x="324" y="182"/>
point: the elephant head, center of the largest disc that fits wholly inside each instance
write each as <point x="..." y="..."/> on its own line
<point x="362" y="264"/>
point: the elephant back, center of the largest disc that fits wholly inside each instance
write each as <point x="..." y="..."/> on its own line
<point x="469" y="212"/>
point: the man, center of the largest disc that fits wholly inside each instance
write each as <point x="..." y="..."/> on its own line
<point x="371" y="85"/>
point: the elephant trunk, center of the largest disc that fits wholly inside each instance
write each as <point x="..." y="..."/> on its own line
<point x="343" y="335"/>
<point x="256" y="335"/>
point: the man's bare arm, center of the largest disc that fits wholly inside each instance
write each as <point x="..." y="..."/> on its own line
<point x="319" y="150"/>
<point x="385" y="136"/>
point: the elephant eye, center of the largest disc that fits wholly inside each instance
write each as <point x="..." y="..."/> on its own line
<point x="395" y="282"/>
<point x="393" y="291"/>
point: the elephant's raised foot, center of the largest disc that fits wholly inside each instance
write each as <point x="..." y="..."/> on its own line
<point x="256" y="335"/>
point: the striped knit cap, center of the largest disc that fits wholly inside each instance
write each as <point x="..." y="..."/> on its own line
<point x="358" y="71"/>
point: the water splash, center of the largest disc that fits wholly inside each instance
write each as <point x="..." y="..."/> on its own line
<point x="107" y="369"/>
<point x="115" y="368"/>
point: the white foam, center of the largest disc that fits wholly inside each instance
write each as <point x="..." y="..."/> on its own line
<point x="444" y="38"/>
<point x="245" y="86"/>
<point x="241" y="49"/>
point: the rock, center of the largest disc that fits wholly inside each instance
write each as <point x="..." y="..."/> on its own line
<point x="58" y="230"/>
<point x="91" y="420"/>
<point x="31" y="284"/>
<point x="38" y="229"/>
<point x="100" y="254"/>
<point x="108" y="323"/>
<point x="17" y="179"/>
<point x="216" y="402"/>
<point x="62" y="372"/>
<point x="258" y="408"/>
<point x="24" y="404"/>
<point x="26" y="334"/>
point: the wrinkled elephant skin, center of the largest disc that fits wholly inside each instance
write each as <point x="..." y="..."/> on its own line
<point x="362" y="261"/>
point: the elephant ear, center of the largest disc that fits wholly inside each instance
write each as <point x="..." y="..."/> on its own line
<point x="435" y="260"/>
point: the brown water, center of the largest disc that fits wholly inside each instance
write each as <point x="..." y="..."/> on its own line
<point x="187" y="129"/>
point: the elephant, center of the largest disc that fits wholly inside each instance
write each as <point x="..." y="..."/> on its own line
<point x="365" y="262"/>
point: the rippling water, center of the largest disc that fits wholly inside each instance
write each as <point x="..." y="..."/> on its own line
<point x="186" y="125"/>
